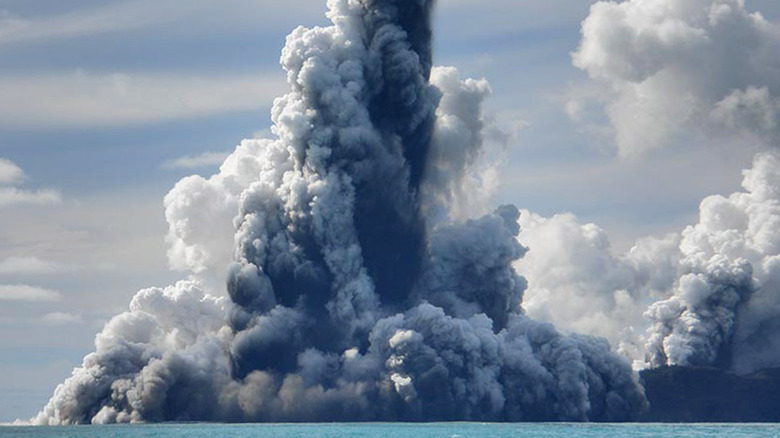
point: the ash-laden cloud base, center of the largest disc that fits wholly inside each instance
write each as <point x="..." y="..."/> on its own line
<point x="353" y="296"/>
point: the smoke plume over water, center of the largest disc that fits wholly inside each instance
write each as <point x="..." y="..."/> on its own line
<point x="354" y="294"/>
<point x="724" y="305"/>
<point x="709" y="295"/>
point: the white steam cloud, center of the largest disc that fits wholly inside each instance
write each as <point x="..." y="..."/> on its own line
<point x="671" y="67"/>
<point x="579" y="283"/>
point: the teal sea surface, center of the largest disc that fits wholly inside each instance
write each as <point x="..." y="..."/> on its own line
<point x="427" y="430"/>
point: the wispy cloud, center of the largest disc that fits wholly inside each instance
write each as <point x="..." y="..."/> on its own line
<point x="10" y="173"/>
<point x="30" y="265"/>
<point x="456" y="16"/>
<point x="60" y="318"/>
<point x="129" y="15"/>
<point x="23" y="292"/>
<point x="14" y="28"/>
<point x="14" y="195"/>
<point x="196" y="161"/>
<point x="79" y="99"/>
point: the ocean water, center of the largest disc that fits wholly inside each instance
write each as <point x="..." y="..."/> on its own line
<point x="428" y="430"/>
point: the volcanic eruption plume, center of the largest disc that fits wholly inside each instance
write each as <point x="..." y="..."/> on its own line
<point x="354" y="294"/>
<point x="724" y="306"/>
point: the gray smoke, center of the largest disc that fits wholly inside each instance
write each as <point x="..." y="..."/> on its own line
<point x="709" y="296"/>
<point x="724" y="305"/>
<point x="353" y="294"/>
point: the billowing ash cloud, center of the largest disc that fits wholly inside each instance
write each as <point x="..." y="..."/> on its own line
<point x="353" y="294"/>
<point x="668" y="66"/>
<point x="725" y="303"/>
<point x="709" y="296"/>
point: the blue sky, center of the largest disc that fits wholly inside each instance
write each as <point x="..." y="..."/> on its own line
<point x="99" y="99"/>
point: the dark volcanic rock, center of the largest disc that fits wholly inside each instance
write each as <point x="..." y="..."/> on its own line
<point x="699" y="394"/>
